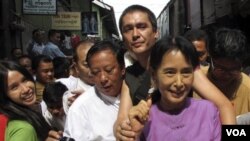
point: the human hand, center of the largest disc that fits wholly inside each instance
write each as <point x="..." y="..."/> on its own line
<point x="138" y="115"/>
<point x="54" y="135"/>
<point x="124" y="132"/>
<point x="74" y="96"/>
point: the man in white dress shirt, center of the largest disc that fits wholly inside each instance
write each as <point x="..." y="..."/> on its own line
<point x="84" y="81"/>
<point x="92" y="115"/>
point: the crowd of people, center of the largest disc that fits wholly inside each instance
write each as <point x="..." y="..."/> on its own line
<point x="174" y="88"/>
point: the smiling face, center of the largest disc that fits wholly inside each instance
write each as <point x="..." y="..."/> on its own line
<point x="138" y="33"/>
<point x="20" y="90"/>
<point x="106" y="72"/>
<point x="174" y="78"/>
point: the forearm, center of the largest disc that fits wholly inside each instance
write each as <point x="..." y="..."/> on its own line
<point x="125" y="103"/>
<point x="210" y="92"/>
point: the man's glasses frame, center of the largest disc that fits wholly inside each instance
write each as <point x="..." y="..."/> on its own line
<point x="222" y="70"/>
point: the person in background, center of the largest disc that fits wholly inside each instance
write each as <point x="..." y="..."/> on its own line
<point x="246" y="65"/>
<point x="97" y="108"/>
<point x="15" y="53"/>
<point x="52" y="96"/>
<point x="84" y="80"/>
<point x="74" y="39"/>
<point x="52" y="47"/>
<point x="138" y="27"/>
<point x="68" y="35"/>
<point x="16" y="103"/>
<point x="44" y="72"/>
<point x="26" y="62"/>
<point x="228" y="50"/>
<point x="37" y="45"/>
<point x="173" y="115"/>
<point x="67" y="43"/>
<point x="61" y="67"/>
<point x="79" y="60"/>
<point x="200" y="41"/>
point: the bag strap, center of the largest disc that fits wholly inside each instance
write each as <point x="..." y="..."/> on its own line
<point x="3" y="125"/>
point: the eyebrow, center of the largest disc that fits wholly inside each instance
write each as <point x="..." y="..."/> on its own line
<point x="15" y="83"/>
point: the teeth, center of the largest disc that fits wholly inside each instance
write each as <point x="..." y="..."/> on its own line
<point x="28" y="96"/>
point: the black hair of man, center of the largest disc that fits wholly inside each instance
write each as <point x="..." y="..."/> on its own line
<point x="14" y="49"/>
<point x="197" y="35"/>
<point x="229" y="43"/>
<point x="24" y="56"/>
<point x="106" y="45"/>
<point x="37" y="30"/>
<point x="61" y="67"/>
<point x="53" y="93"/>
<point x="52" y="32"/>
<point x="140" y="8"/>
<point x="38" y="59"/>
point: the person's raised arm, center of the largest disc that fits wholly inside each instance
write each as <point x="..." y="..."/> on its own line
<point x="122" y="122"/>
<point x="209" y="91"/>
<point x="125" y="103"/>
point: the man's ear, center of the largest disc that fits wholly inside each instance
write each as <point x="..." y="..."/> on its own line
<point x="75" y="67"/>
<point x="123" y="72"/>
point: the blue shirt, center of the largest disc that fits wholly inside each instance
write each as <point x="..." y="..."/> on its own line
<point x="52" y="51"/>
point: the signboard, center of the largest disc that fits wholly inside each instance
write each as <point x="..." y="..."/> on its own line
<point x="67" y="21"/>
<point x="39" y="7"/>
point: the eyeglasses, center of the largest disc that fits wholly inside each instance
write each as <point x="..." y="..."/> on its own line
<point x="222" y="70"/>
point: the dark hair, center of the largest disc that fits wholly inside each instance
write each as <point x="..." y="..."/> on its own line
<point x="140" y="8"/>
<point x="38" y="59"/>
<point x="34" y="31"/>
<point x="75" y="54"/>
<point x="15" y="48"/>
<point x="61" y="67"/>
<point x="197" y="35"/>
<point x="15" y="111"/>
<point x="229" y="43"/>
<point x="106" y="45"/>
<point x="52" y="32"/>
<point x="53" y="93"/>
<point x="37" y="30"/>
<point x="24" y="56"/>
<point x="167" y="44"/>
